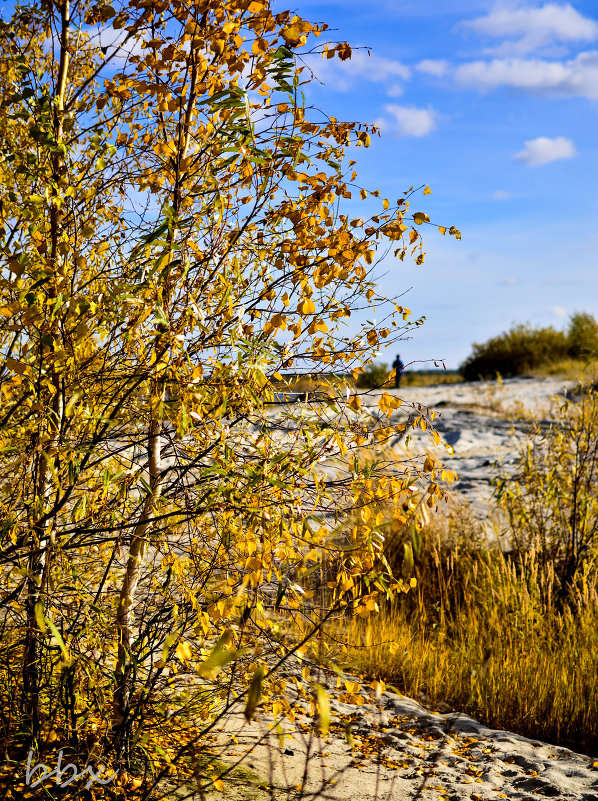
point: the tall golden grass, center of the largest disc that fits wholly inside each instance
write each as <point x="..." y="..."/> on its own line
<point x="486" y="634"/>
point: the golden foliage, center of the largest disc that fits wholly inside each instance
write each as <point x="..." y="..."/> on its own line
<point x="171" y="241"/>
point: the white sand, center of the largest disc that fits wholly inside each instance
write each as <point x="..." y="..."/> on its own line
<point x="401" y="751"/>
<point x="483" y="422"/>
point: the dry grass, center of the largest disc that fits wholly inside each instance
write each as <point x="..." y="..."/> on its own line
<point x="430" y="378"/>
<point x="570" y="370"/>
<point x="485" y="635"/>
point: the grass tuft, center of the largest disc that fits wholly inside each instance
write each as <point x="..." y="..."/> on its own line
<point x="486" y="634"/>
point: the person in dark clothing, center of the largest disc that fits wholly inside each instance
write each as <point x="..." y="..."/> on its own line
<point x="399" y="367"/>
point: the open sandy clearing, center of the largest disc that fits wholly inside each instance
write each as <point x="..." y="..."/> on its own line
<point x="400" y="752"/>
<point x="483" y="422"/>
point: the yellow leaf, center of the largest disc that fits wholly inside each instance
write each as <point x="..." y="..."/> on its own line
<point x="17" y="367"/>
<point x="218" y="784"/>
<point x="419" y="217"/>
<point x="183" y="651"/>
<point x="253" y="695"/>
<point x="259" y="46"/>
<point x="324" y="706"/>
<point x="295" y="34"/>
<point x="427" y="190"/>
<point x="307" y="306"/>
<point x="355" y="402"/>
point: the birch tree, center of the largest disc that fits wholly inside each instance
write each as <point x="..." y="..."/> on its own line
<point x="172" y="239"/>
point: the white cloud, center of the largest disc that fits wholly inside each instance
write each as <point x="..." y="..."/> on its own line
<point x="437" y="67"/>
<point x="544" y="150"/>
<point x="577" y="77"/>
<point x="396" y="90"/>
<point x="374" y="68"/>
<point x="500" y="194"/>
<point x="118" y="43"/>
<point x="408" y="120"/>
<point x="559" y="311"/>
<point x="361" y="66"/>
<point x="528" y="29"/>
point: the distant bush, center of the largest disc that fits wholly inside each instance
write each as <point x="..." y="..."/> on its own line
<point x="524" y="349"/>
<point x="515" y="352"/>
<point x="583" y="335"/>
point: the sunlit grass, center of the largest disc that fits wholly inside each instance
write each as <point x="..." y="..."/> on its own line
<point x="485" y="635"/>
<point x="570" y="369"/>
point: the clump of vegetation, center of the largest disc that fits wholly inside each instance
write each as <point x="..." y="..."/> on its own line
<point x="507" y="637"/>
<point x="583" y="336"/>
<point x="425" y="378"/>
<point x="551" y="502"/>
<point x="524" y="349"/>
<point x="374" y="376"/>
<point x="379" y="375"/>
<point x="520" y="350"/>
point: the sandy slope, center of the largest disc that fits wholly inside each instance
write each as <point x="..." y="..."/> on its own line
<point x="483" y="422"/>
<point x="401" y="751"/>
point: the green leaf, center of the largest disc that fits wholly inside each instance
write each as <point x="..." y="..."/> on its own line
<point x="57" y="636"/>
<point x="39" y="616"/>
<point x="255" y="690"/>
<point x="279" y="597"/>
<point x="324" y="705"/>
<point x="219" y="656"/>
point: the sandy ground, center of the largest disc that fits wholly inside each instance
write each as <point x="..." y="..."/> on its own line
<point x="484" y="423"/>
<point x="400" y="750"/>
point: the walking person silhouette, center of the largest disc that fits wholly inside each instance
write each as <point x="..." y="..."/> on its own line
<point x="399" y="367"/>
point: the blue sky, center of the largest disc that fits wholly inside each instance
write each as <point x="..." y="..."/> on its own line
<point x="494" y="105"/>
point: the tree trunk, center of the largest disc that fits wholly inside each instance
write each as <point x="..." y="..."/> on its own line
<point x="38" y="563"/>
<point x="125" y="615"/>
